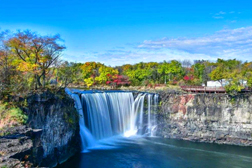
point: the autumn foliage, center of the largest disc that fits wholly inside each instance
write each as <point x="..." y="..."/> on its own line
<point x="30" y="61"/>
<point x="118" y="80"/>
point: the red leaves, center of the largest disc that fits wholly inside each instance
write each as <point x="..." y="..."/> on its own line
<point x="188" y="78"/>
<point x="117" y="80"/>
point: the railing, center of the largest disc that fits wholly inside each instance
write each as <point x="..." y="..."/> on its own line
<point x="203" y="89"/>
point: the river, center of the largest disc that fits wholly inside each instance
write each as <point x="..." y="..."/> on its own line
<point x="145" y="152"/>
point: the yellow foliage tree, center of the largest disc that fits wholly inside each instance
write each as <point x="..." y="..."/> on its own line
<point x="35" y="53"/>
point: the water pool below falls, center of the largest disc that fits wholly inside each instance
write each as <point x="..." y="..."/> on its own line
<point x="117" y="130"/>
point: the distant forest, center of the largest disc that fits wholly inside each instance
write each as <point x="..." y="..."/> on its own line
<point x="29" y="61"/>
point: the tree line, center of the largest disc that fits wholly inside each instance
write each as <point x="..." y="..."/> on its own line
<point x="30" y="62"/>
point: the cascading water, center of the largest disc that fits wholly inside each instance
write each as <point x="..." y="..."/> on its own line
<point x="153" y="119"/>
<point x="105" y="114"/>
<point x="86" y="137"/>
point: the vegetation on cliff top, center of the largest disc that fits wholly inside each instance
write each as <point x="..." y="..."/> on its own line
<point x="31" y="62"/>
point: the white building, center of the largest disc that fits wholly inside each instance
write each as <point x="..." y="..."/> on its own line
<point x="223" y="83"/>
<point x="213" y="84"/>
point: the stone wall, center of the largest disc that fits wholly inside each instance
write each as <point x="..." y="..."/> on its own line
<point x="217" y="118"/>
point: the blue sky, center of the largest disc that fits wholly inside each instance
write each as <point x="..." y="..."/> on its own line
<point x="117" y="32"/>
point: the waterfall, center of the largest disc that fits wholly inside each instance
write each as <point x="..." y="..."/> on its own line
<point x="155" y="111"/>
<point x="105" y="114"/>
<point x="86" y="137"/>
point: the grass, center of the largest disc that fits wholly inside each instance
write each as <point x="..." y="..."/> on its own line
<point x="11" y="115"/>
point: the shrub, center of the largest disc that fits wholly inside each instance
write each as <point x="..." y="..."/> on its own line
<point x="18" y="115"/>
<point x="11" y="116"/>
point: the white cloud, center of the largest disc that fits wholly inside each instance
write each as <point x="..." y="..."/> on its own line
<point x="228" y="42"/>
<point x="218" y="17"/>
<point x="220" y="13"/>
<point x="225" y="44"/>
<point x="136" y="56"/>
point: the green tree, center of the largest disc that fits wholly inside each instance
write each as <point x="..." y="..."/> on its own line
<point x="66" y="73"/>
<point x="141" y="73"/>
<point x="173" y="70"/>
<point x="223" y="69"/>
<point x="235" y="81"/>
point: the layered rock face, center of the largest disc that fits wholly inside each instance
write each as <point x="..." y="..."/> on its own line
<point x="50" y="137"/>
<point x="215" y="118"/>
<point x="15" y="146"/>
<point x="56" y="116"/>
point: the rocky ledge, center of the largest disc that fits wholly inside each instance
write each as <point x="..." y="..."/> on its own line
<point x="16" y="147"/>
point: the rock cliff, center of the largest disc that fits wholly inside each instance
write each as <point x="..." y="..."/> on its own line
<point x="50" y="137"/>
<point x="56" y="116"/>
<point x="217" y="118"/>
